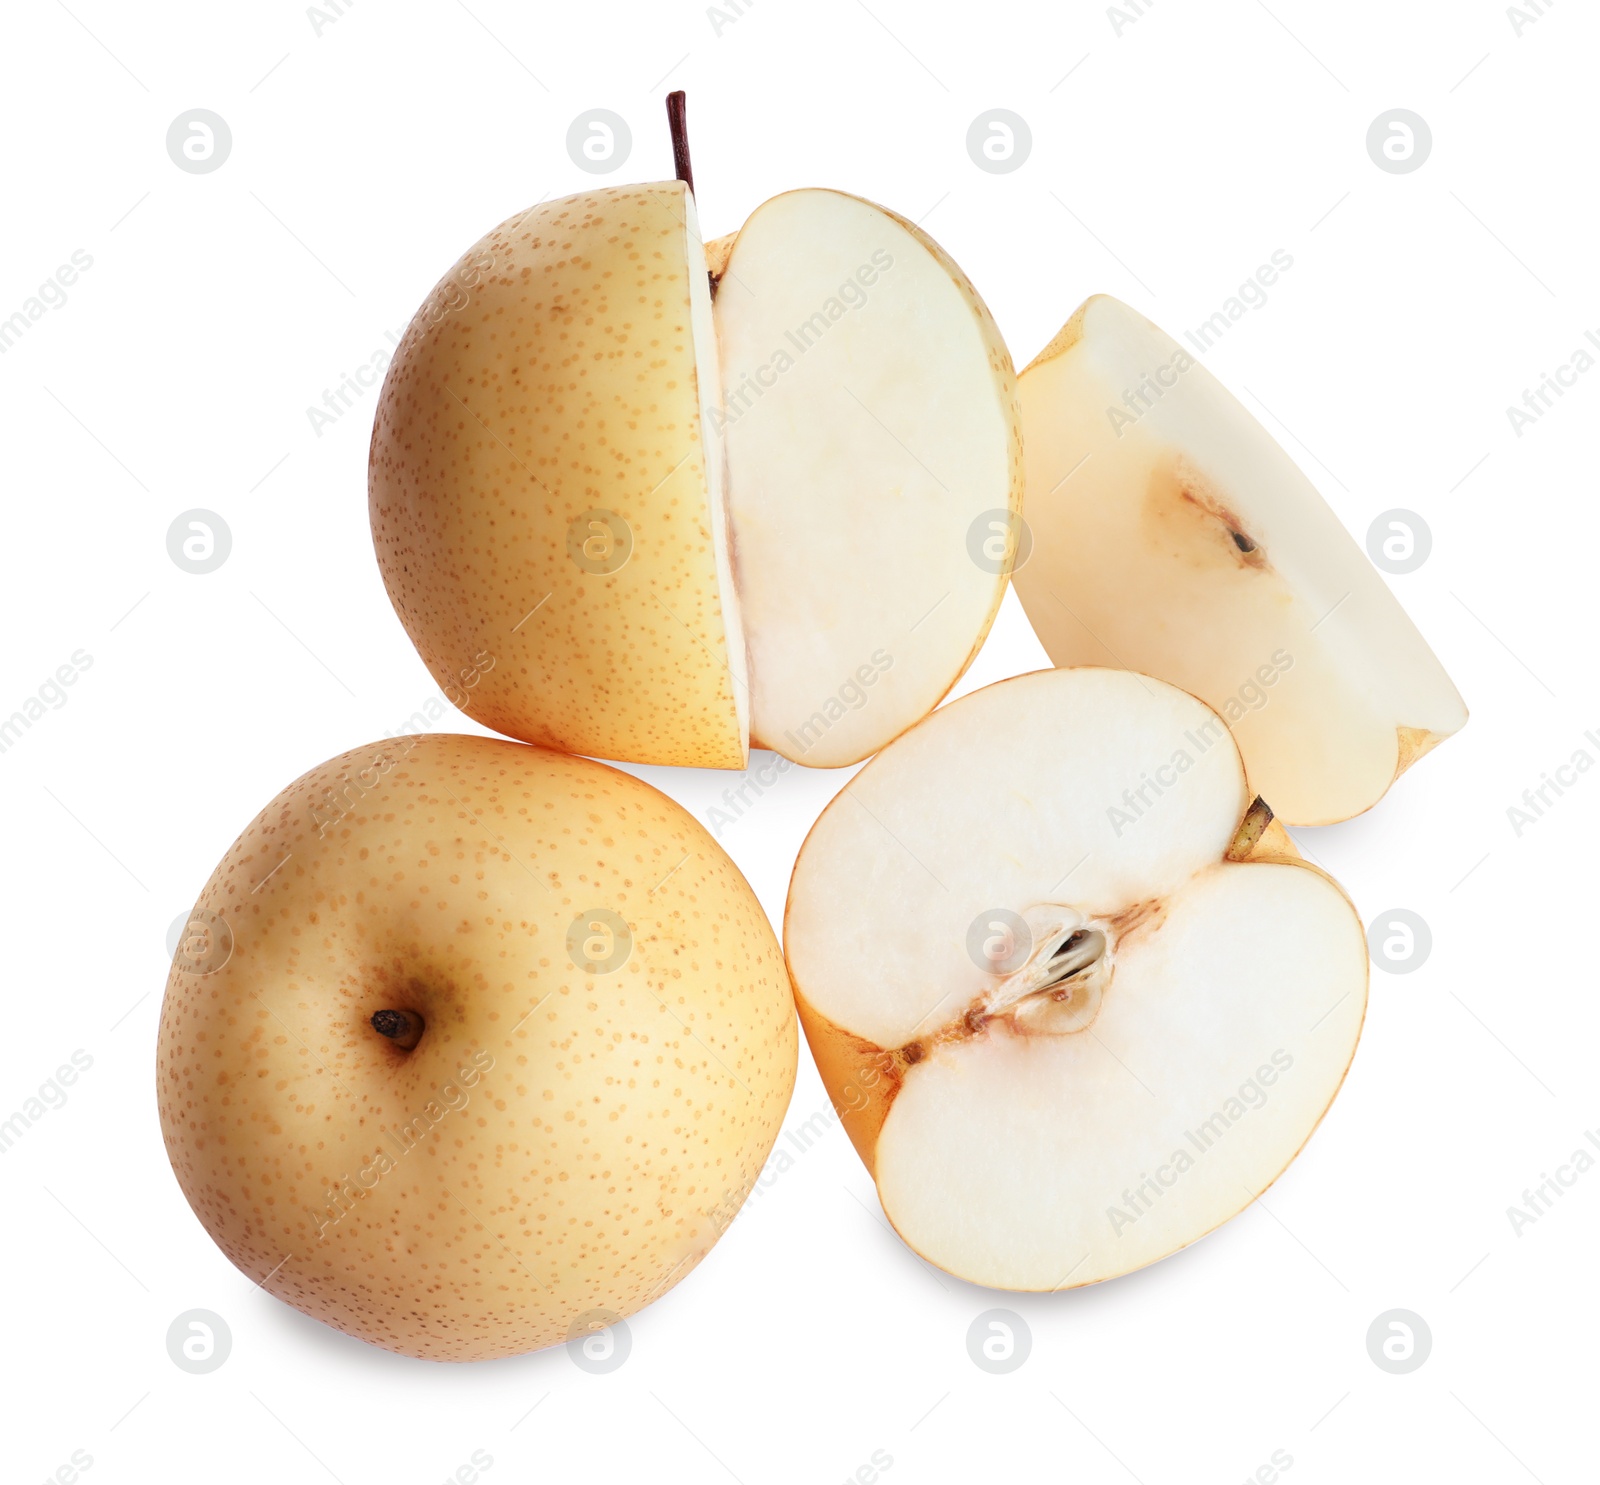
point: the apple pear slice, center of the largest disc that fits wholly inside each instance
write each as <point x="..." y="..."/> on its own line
<point x="867" y="409"/>
<point x="1076" y="997"/>
<point x="606" y="535"/>
<point x="1172" y="535"/>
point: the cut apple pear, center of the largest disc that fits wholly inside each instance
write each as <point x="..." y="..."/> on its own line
<point x="1076" y="997"/>
<point x="1173" y="536"/>
<point x="659" y="530"/>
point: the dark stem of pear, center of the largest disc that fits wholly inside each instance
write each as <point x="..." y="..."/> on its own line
<point x="403" y="1028"/>
<point x="677" y="119"/>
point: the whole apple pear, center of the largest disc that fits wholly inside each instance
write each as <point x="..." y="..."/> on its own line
<point x="470" y="1046"/>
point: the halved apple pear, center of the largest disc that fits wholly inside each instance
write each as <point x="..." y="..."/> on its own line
<point x="1073" y="992"/>
<point x="1172" y="535"/>
<point x="655" y="530"/>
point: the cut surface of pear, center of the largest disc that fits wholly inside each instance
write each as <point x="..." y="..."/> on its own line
<point x="601" y="542"/>
<point x="868" y="427"/>
<point x="1076" y="1006"/>
<point x="1172" y="535"/>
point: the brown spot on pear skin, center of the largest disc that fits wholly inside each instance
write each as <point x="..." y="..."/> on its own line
<point x="718" y="251"/>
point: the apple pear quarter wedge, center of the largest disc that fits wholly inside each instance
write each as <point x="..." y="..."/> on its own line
<point x="618" y="519"/>
<point x="1076" y="997"/>
<point x="1172" y="535"/>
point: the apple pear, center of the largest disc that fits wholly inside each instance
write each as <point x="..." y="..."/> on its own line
<point x="472" y="1047"/>
<point x="1073" y="992"/>
<point x="622" y="517"/>
<point x="1172" y="535"/>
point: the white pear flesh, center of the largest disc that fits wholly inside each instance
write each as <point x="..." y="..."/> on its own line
<point x="869" y="418"/>
<point x="1032" y="1132"/>
<point x="1172" y="535"/>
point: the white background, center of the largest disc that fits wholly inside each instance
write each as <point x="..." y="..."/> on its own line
<point x="1168" y="162"/>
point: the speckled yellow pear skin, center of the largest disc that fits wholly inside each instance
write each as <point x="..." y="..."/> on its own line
<point x="552" y="374"/>
<point x="558" y="1141"/>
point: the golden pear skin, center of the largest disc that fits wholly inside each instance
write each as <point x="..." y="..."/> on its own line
<point x="604" y="1046"/>
<point x="547" y="517"/>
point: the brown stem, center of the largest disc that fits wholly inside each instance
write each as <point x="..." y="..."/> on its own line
<point x="1254" y="825"/>
<point x="677" y="119"/>
<point x="403" y="1028"/>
